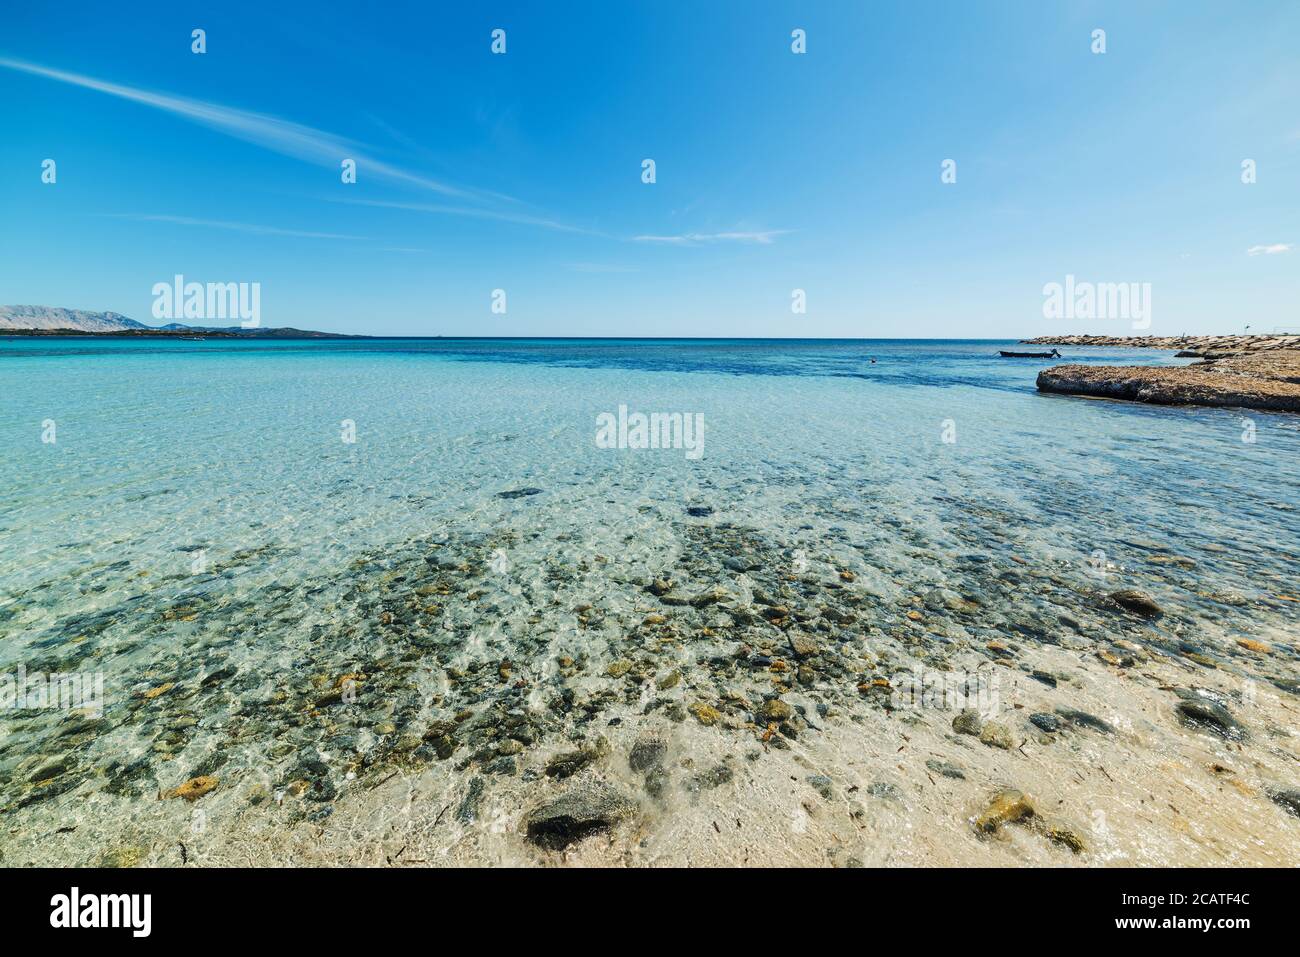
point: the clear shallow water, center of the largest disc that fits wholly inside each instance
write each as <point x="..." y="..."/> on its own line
<point x="199" y="511"/>
<point x="164" y="447"/>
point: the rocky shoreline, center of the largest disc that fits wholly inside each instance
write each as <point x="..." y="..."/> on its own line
<point x="1266" y="381"/>
<point x="1245" y="372"/>
<point x="1192" y="346"/>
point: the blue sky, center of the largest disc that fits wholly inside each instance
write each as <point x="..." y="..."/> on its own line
<point x="775" y="171"/>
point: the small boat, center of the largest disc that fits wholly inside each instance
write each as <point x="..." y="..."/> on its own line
<point x="1030" y="355"/>
<point x="193" y="339"/>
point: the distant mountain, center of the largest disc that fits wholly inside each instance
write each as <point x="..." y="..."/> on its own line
<point x="52" y="317"/>
<point x="37" y="320"/>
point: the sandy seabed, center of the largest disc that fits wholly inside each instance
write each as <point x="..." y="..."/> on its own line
<point x="753" y="684"/>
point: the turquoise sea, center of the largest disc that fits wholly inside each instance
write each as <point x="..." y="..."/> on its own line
<point x="244" y="524"/>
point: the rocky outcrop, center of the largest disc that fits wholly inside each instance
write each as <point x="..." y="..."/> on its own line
<point x="1192" y="346"/>
<point x="1265" y="379"/>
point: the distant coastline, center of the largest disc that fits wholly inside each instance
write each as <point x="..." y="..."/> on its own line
<point x="59" y="322"/>
<point x="283" y="333"/>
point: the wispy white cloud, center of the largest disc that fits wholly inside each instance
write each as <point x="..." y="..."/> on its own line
<point x="764" y="237"/>
<point x="474" y="213"/>
<point x="601" y="267"/>
<point x="322" y="148"/>
<point x="237" y="227"/>
<point x="1272" y="250"/>
<point x="270" y="132"/>
<point x="760" y="237"/>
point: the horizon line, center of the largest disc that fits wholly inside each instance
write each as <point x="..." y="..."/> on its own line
<point x="317" y="336"/>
